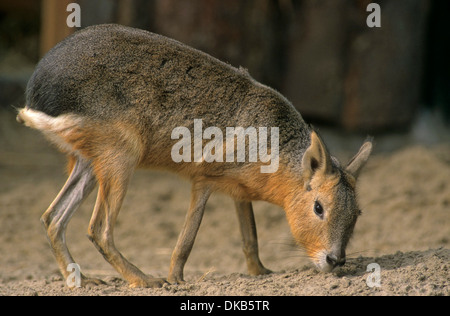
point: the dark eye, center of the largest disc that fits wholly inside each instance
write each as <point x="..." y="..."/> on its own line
<point x="318" y="209"/>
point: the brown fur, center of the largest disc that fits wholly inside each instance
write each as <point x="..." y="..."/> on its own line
<point x="112" y="111"/>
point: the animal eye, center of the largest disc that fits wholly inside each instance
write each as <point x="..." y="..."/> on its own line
<point x="318" y="209"/>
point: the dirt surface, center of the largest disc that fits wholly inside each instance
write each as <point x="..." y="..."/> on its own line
<point x="405" y="229"/>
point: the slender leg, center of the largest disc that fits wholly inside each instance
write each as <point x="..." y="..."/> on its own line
<point x="112" y="189"/>
<point x="249" y="237"/>
<point x="199" y="197"/>
<point x="80" y="183"/>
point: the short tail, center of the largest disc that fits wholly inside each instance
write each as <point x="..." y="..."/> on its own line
<point x="34" y="119"/>
<point x="44" y="122"/>
<point x="57" y="129"/>
<point x="19" y="117"/>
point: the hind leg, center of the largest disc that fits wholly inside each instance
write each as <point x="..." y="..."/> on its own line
<point x="80" y="183"/>
<point x="113" y="184"/>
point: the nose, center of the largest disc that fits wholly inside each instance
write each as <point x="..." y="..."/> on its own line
<point x="334" y="261"/>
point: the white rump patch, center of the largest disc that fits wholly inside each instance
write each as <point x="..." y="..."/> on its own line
<point x="54" y="128"/>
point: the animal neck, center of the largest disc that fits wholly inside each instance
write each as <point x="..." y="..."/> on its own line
<point x="279" y="187"/>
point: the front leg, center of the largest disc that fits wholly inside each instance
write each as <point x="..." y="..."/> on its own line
<point x="247" y="226"/>
<point x="199" y="196"/>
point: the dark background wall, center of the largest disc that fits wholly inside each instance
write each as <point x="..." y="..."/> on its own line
<point x="320" y="54"/>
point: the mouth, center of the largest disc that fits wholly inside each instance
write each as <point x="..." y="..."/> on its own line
<point x="326" y="262"/>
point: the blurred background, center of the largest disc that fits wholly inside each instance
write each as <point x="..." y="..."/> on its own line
<point x="347" y="79"/>
<point x="321" y="55"/>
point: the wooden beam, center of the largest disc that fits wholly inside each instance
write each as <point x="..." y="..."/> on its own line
<point x="53" y="23"/>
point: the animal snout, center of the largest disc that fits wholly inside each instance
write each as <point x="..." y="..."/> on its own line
<point x="327" y="261"/>
<point x="335" y="261"/>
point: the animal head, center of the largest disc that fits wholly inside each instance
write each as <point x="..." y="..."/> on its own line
<point x="323" y="213"/>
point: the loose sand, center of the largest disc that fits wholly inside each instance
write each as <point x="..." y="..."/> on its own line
<point x="405" y="229"/>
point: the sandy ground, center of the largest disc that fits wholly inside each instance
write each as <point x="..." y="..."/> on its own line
<point x="405" y="229"/>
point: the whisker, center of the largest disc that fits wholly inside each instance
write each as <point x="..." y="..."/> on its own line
<point x="355" y="253"/>
<point x="283" y="240"/>
<point x="297" y="256"/>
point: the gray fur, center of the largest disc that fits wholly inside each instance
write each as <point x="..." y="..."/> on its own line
<point x="109" y="71"/>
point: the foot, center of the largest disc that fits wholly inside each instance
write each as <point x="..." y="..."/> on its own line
<point x="264" y="271"/>
<point x="84" y="282"/>
<point x="258" y="269"/>
<point x="88" y="282"/>
<point x="148" y="282"/>
<point x="176" y="279"/>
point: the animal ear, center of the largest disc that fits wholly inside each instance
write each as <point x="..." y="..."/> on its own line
<point x="359" y="160"/>
<point x="316" y="160"/>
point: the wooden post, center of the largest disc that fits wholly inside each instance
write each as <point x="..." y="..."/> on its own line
<point x="384" y="68"/>
<point x="53" y="23"/>
<point x="342" y="71"/>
